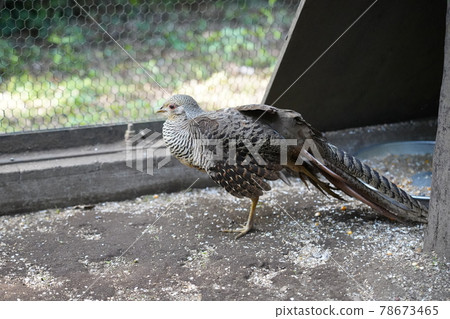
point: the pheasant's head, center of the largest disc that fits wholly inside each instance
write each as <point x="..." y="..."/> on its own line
<point x="180" y="105"/>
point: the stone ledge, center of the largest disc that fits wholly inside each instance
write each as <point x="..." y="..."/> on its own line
<point x="98" y="179"/>
<point x="93" y="173"/>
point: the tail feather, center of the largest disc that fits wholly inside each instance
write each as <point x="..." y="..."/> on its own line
<point x="306" y="175"/>
<point x="348" y="174"/>
<point x="354" y="188"/>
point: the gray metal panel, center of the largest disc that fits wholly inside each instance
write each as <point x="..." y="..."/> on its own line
<point x="386" y="68"/>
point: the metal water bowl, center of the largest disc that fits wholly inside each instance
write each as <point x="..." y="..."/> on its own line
<point x="403" y="148"/>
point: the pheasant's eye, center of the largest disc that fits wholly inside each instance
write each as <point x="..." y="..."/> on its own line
<point x="172" y="107"/>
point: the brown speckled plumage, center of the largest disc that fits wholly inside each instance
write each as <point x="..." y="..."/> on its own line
<point x="195" y="136"/>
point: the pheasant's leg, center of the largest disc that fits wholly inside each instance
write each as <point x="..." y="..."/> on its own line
<point x="249" y="225"/>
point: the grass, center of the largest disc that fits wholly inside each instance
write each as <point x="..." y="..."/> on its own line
<point x="220" y="52"/>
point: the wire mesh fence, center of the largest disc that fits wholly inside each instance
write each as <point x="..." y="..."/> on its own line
<point x="63" y="62"/>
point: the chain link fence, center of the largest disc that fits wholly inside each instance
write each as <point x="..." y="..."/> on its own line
<point x="63" y="63"/>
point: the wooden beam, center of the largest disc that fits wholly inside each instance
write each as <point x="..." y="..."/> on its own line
<point x="438" y="233"/>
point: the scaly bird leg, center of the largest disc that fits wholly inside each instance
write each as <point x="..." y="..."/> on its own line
<point x="249" y="225"/>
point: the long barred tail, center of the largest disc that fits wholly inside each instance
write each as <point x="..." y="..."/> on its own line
<point x="388" y="196"/>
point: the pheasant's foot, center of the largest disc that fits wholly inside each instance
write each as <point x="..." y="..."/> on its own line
<point x="241" y="231"/>
<point x="247" y="226"/>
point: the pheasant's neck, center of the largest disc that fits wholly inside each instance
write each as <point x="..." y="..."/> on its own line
<point x="182" y="142"/>
<point x="175" y="131"/>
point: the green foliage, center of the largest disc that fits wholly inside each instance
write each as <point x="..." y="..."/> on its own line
<point x="57" y="69"/>
<point x="67" y="56"/>
<point x="10" y="62"/>
<point x="36" y="17"/>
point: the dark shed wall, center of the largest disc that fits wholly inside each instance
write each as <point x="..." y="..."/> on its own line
<point x="386" y="68"/>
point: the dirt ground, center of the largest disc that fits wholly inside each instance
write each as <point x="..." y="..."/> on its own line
<point x="169" y="247"/>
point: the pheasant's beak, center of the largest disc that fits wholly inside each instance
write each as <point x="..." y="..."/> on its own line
<point x="161" y="110"/>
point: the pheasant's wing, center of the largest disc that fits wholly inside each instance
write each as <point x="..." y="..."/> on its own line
<point x="291" y="126"/>
<point x="240" y="158"/>
<point x="288" y="123"/>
